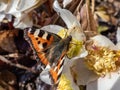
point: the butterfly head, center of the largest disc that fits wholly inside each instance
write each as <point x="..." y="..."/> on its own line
<point x="67" y="40"/>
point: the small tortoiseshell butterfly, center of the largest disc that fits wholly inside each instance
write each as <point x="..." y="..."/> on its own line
<point x="51" y="50"/>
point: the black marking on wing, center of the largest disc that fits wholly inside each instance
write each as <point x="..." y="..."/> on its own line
<point x="32" y="31"/>
<point x="48" y="36"/>
<point x="62" y="63"/>
<point x="38" y="42"/>
<point x="44" y="44"/>
<point x="59" y="76"/>
<point x="41" y="33"/>
<point x="36" y="38"/>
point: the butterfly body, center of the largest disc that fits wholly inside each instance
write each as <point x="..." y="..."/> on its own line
<point x="50" y="50"/>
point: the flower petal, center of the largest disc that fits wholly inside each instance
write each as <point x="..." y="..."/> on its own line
<point x="15" y="6"/>
<point x="109" y="82"/>
<point x="3" y="4"/>
<point x="80" y="73"/>
<point x="2" y="15"/>
<point x="20" y="9"/>
<point x="83" y="53"/>
<point x="67" y="73"/>
<point x="118" y="38"/>
<point x="52" y="28"/>
<point x="66" y="15"/>
<point x="66" y="2"/>
<point x="28" y="4"/>
<point x="27" y="22"/>
<point x="100" y="40"/>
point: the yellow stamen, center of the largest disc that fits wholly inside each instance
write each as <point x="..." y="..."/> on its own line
<point x="64" y="84"/>
<point x="102" y="60"/>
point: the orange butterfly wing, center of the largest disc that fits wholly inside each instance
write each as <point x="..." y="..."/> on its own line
<point x="40" y="40"/>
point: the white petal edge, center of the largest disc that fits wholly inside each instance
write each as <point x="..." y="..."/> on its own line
<point x="20" y="9"/>
<point x="118" y="34"/>
<point x="22" y="5"/>
<point x="118" y="38"/>
<point x="26" y="4"/>
<point x="2" y="15"/>
<point x="109" y="82"/>
<point x="100" y="40"/>
<point x="66" y="2"/>
<point x="52" y="28"/>
<point x="66" y="15"/>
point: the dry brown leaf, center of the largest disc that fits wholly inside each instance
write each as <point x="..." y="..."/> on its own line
<point x="83" y="17"/>
<point x="7" y="40"/>
<point x="107" y="12"/>
<point x="8" y="77"/>
<point x="7" y="80"/>
<point x="88" y="22"/>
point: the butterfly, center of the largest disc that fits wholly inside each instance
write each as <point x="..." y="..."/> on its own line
<point x="51" y="50"/>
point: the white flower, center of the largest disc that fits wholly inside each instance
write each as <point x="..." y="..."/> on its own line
<point x="110" y="81"/>
<point x="74" y="29"/>
<point x="20" y="9"/>
<point x="84" y="76"/>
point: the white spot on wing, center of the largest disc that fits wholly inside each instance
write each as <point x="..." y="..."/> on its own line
<point x="45" y="35"/>
<point x="36" y="32"/>
<point x="29" y="30"/>
<point x="62" y="60"/>
<point x="5" y="21"/>
<point x="40" y="46"/>
<point x="60" y="70"/>
<point x="55" y="69"/>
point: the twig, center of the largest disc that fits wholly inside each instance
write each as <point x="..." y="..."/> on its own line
<point x="88" y="13"/>
<point x="74" y="5"/>
<point x="78" y="7"/>
<point x="14" y="55"/>
<point x="93" y="6"/>
<point x="16" y="65"/>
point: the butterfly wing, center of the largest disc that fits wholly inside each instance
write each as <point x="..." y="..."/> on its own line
<point x="40" y="41"/>
<point x="56" y="56"/>
<point x="50" y="49"/>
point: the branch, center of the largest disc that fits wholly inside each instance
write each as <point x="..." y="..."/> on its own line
<point x="3" y="59"/>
